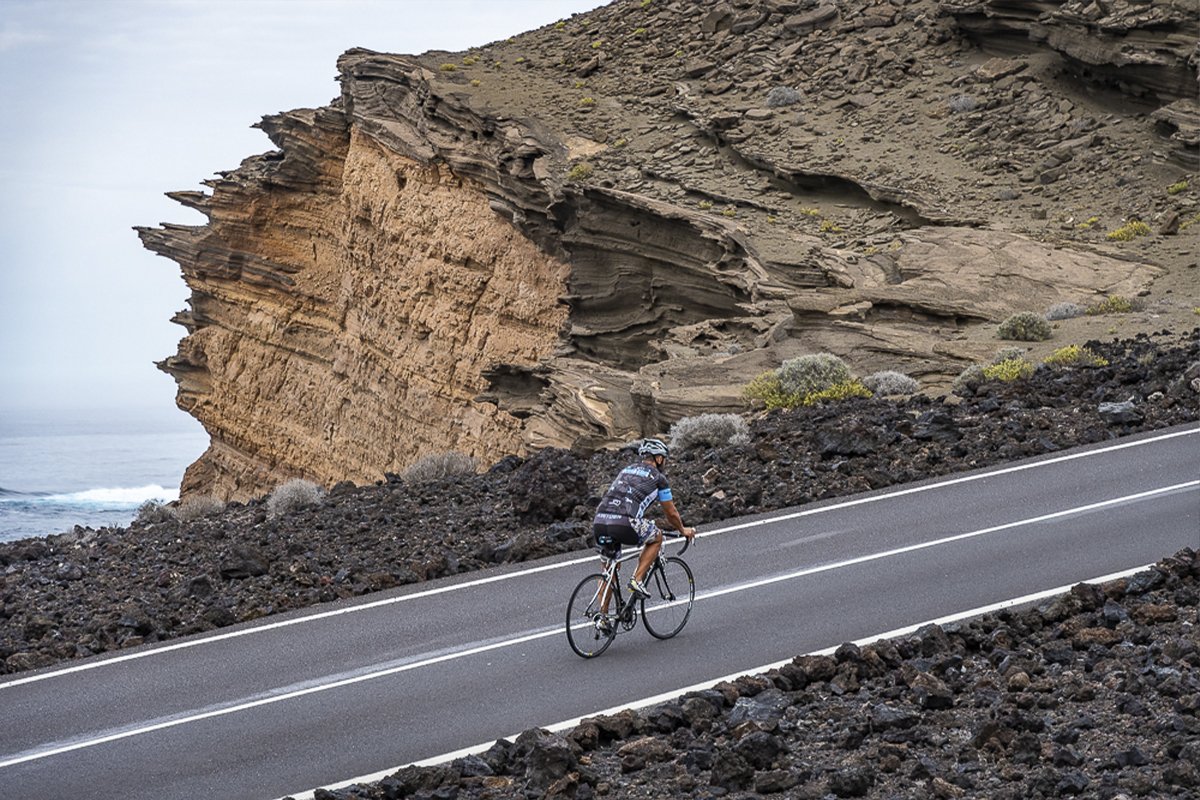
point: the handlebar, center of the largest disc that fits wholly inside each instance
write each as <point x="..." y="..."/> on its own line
<point x="677" y="535"/>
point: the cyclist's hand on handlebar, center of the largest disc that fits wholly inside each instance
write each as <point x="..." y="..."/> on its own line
<point x="688" y="532"/>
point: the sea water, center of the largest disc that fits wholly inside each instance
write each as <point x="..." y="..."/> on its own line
<point x="89" y="467"/>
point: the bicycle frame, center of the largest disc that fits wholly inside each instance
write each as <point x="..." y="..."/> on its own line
<point x="592" y="622"/>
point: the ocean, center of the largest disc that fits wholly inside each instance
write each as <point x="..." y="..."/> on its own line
<point x="91" y="467"/>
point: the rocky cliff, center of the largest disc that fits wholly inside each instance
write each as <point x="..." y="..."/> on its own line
<point x="582" y="234"/>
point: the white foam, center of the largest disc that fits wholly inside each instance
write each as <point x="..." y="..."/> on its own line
<point x="114" y="496"/>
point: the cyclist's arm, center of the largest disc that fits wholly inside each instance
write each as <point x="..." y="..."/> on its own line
<point x="674" y="520"/>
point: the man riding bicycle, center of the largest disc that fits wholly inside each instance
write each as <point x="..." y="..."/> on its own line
<point x="619" y="517"/>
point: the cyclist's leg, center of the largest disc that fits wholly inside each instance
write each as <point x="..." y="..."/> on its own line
<point x="606" y="593"/>
<point x="651" y="538"/>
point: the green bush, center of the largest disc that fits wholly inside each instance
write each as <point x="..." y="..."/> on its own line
<point x="295" y="495"/>
<point x="712" y="430"/>
<point x="1008" y="354"/>
<point x="1128" y="232"/>
<point x="768" y="389"/>
<point x="1025" y="327"/>
<point x="196" y="507"/>
<point x="436" y="466"/>
<point x="580" y="173"/>
<point x="812" y="373"/>
<point x="891" y="382"/>
<point x="842" y="390"/>
<point x="1075" y="356"/>
<point x="1009" y="370"/>
<point x="1115" y="305"/>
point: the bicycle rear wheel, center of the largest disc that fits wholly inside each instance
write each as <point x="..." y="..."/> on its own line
<point x="585" y="637"/>
<point x="672" y="590"/>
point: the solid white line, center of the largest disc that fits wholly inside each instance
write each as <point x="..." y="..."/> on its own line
<point x="266" y="701"/>
<point x="956" y="538"/>
<point x="674" y="693"/>
<point x="965" y="479"/>
<point x="196" y="642"/>
<point x="555" y="631"/>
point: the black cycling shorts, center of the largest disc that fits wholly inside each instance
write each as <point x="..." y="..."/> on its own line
<point x="634" y="534"/>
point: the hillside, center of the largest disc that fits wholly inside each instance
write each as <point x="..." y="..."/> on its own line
<point x="578" y="236"/>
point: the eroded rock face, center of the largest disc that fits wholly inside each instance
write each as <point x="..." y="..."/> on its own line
<point x="493" y="265"/>
<point x="1150" y="47"/>
<point x="343" y="312"/>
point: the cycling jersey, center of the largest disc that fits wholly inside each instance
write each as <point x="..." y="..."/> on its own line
<point x="619" y="515"/>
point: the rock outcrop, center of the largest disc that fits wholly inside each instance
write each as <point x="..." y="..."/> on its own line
<point x="580" y="235"/>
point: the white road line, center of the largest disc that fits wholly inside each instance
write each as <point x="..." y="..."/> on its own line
<point x="203" y="640"/>
<point x="556" y="631"/>
<point x="674" y="693"/>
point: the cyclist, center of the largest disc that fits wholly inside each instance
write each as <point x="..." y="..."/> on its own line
<point x="619" y="517"/>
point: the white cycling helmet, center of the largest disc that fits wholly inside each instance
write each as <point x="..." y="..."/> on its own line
<point x="652" y="447"/>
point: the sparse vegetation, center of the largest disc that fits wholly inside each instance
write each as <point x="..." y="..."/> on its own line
<point x="1075" y="356"/>
<point x="780" y="96"/>
<point x="448" y="67"/>
<point x="890" y="382"/>
<point x="1008" y="354"/>
<point x="970" y="375"/>
<point x="580" y="173"/>
<point x="1009" y="370"/>
<point x="295" y="495"/>
<point x="1114" y="305"/>
<point x="729" y="212"/>
<point x="153" y="511"/>
<point x="812" y="373"/>
<point x="714" y="430"/>
<point x="196" y="507"/>
<point x="843" y="390"/>
<point x="705" y="205"/>
<point x="805" y="381"/>
<point x="436" y="466"/>
<point x="1128" y="232"/>
<point x="1063" y="311"/>
<point x="1178" y="188"/>
<point x="829" y="226"/>
<point x="768" y="389"/>
<point x="587" y="102"/>
<point x="961" y="104"/>
<point x="1025" y="326"/>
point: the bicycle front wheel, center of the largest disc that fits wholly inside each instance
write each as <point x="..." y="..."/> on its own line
<point x="586" y="637"/>
<point x="672" y="590"/>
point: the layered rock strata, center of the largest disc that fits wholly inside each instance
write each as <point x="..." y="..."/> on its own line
<point x="583" y="234"/>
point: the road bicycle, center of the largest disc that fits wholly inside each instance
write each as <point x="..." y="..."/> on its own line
<point x="592" y="623"/>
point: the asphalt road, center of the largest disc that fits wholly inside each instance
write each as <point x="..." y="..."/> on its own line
<point x="358" y="688"/>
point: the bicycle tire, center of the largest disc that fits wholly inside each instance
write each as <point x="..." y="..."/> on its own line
<point x="672" y="592"/>
<point x="584" y="605"/>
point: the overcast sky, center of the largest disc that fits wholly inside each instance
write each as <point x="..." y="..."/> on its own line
<point x="106" y="105"/>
